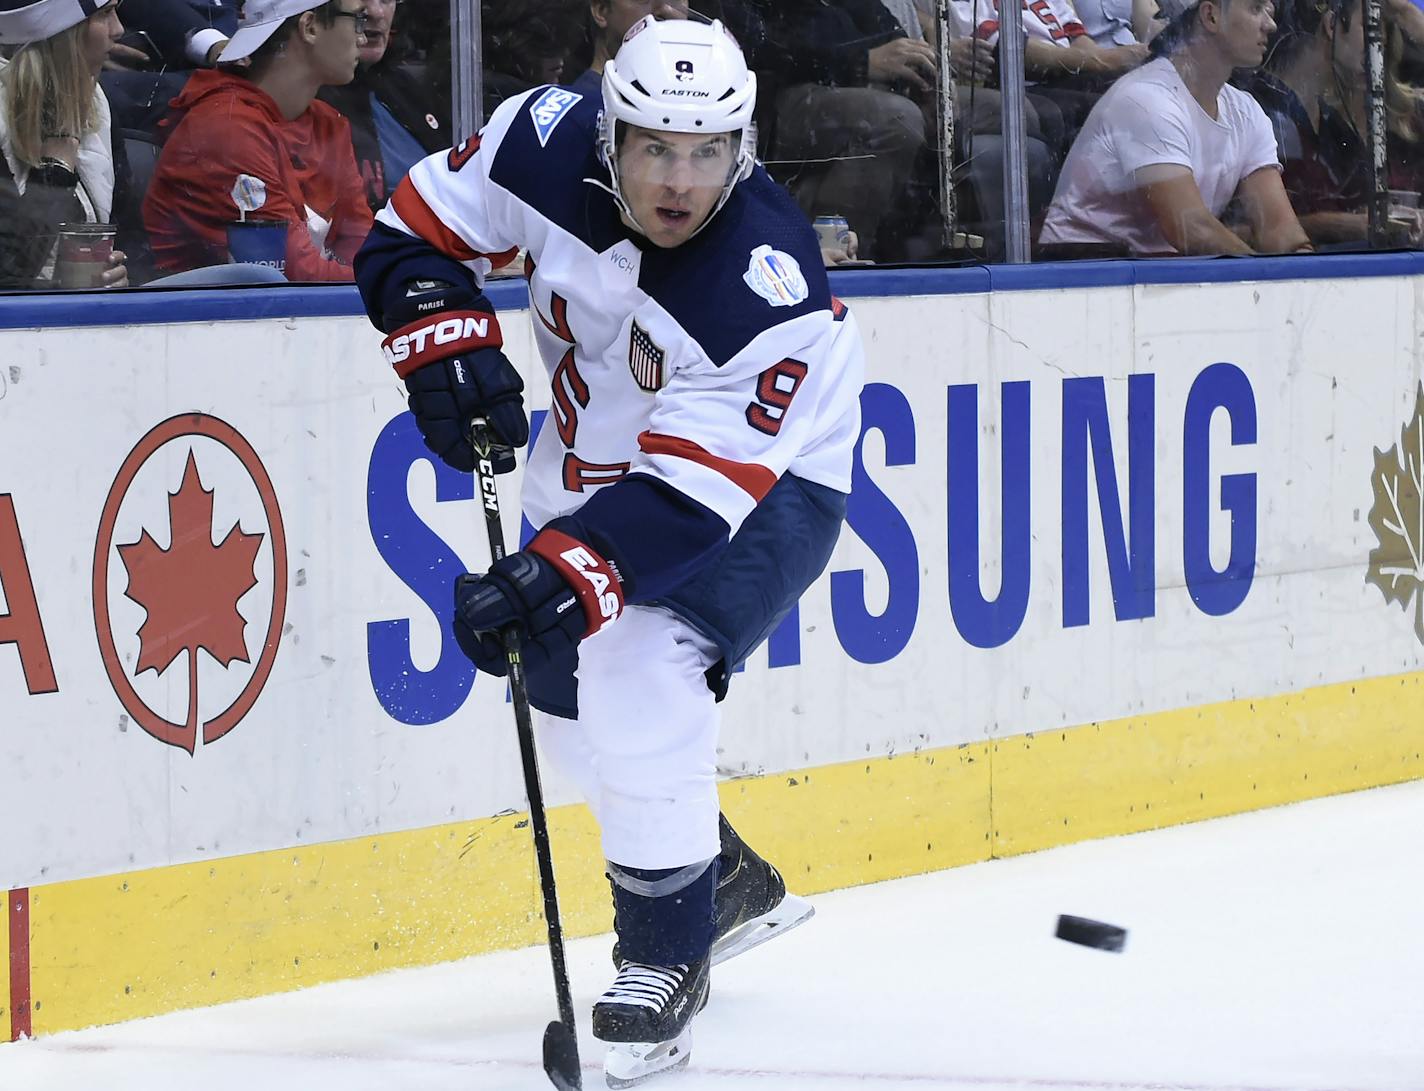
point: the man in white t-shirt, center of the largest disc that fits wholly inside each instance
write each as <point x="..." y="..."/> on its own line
<point x="1168" y="147"/>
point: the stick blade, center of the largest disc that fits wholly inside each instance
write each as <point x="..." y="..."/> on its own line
<point x="561" y="1059"/>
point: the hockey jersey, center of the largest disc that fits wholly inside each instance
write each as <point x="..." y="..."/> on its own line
<point x="702" y="373"/>
<point x="1054" y="21"/>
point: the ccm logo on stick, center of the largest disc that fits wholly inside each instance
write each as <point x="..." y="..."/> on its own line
<point x="487" y="486"/>
<point x="586" y="565"/>
<point x="400" y="347"/>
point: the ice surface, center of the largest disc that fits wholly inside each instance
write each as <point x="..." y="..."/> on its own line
<point x="1277" y="951"/>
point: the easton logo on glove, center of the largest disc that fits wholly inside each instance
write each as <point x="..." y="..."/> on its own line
<point x="592" y="569"/>
<point x="423" y="341"/>
<point x="593" y="579"/>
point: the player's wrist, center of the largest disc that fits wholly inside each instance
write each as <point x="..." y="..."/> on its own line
<point x="594" y="579"/>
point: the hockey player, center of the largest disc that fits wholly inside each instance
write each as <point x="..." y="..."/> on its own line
<point x="691" y="481"/>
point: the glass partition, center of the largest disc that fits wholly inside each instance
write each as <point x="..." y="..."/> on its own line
<point x="1241" y="127"/>
<point x="204" y="151"/>
<point x="1118" y="128"/>
<point x="848" y="116"/>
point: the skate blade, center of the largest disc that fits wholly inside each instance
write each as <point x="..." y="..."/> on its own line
<point x="784" y="916"/>
<point x="630" y="1063"/>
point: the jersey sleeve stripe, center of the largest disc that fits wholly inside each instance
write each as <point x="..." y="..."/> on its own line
<point x="753" y="479"/>
<point x="418" y="216"/>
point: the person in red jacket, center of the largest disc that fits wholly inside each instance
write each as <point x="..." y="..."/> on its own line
<point x="253" y="131"/>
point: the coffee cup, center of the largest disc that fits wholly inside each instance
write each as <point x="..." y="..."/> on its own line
<point x="83" y="255"/>
<point x="258" y="242"/>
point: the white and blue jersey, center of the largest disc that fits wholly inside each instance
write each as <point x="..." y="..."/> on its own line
<point x="686" y="382"/>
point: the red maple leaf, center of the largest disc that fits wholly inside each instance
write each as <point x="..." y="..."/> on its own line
<point x="190" y="590"/>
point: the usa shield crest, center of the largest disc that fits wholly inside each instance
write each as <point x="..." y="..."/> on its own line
<point x="645" y="360"/>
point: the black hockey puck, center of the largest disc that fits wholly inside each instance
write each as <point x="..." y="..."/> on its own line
<point x="1091" y="933"/>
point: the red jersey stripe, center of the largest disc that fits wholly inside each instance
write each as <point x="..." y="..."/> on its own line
<point x="410" y="206"/>
<point x="752" y="478"/>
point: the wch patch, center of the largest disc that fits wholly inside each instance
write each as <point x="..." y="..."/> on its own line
<point x="645" y="360"/>
<point x="549" y="109"/>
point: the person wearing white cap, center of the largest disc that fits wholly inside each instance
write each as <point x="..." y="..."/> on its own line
<point x="1169" y="146"/>
<point x="58" y="164"/>
<point x="253" y="132"/>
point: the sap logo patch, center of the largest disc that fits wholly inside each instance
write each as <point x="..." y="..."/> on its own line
<point x="776" y="277"/>
<point x="549" y="109"/>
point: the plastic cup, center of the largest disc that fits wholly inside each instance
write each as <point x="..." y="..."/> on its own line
<point x="83" y="255"/>
<point x="832" y="231"/>
<point x="258" y="242"/>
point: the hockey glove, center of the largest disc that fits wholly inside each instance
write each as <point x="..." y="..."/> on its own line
<point x="557" y="590"/>
<point x="446" y="344"/>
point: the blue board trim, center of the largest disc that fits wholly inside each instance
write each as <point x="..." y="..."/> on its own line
<point x="36" y="310"/>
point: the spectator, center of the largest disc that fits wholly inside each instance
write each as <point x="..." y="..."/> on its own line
<point x="1065" y="69"/>
<point x="166" y="39"/>
<point x="395" y="120"/>
<point x="610" y="21"/>
<point x="528" y="43"/>
<point x="979" y="147"/>
<point x="1313" y="92"/>
<point x="185" y="33"/>
<point x="1057" y="44"/>
<point x="58" y="164"/>
<point x="259" y="127"/>
<point x="841" y="76"/>
<point x="1406" y="119"/>
<point x="1117" y="22"/>
<point x="1169" y="146"/>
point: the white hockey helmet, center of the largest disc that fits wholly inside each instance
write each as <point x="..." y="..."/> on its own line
<point x="679" y="76"/>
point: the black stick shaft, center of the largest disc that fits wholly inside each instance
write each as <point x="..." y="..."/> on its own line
<point x="523" y="723"/>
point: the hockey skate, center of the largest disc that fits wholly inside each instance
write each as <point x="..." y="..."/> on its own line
<point x="645" y="1016"/>
<point x="752" y="904"/>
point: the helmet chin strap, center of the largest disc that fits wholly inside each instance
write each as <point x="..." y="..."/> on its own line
<point x="618" y="200"/>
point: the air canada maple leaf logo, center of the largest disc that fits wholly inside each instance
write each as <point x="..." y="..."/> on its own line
<point x="190" y="589"/>
<point x="1397" y="518"/>
<point x="193" y="612"/>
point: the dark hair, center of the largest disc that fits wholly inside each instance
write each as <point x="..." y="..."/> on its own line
<point x="1299" y="21"/>
<point x="518" y="34"/>
<point x="261" y="58"/>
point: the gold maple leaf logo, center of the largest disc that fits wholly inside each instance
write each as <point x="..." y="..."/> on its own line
<point x="191" y="589"/>
<point x="1397" y="518"/>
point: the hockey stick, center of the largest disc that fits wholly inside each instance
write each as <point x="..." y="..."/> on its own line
<point x="561" y="1059"/>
